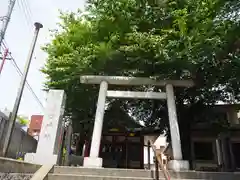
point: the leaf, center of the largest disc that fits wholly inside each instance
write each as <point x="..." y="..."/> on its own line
<point x="171" y="39"/>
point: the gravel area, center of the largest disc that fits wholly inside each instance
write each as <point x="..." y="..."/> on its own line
<point x="15" y="176"/>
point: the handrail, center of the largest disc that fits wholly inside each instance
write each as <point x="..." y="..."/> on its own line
<point x="42" y="173"/>
<point x="158" y="160"/>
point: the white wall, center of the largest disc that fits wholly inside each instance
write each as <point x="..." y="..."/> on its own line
<point x="158" y="142"/>
<point x="146" y="155"/>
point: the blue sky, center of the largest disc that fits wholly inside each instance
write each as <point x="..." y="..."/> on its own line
<point x="18" y="37"/>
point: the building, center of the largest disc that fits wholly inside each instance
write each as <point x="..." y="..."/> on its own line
<point x="120" y="142"/>
<point x="215" y="148"/>
<point x="124" y="141"/>
<point x="212" y="149"/>
<point x="35" y="125"/>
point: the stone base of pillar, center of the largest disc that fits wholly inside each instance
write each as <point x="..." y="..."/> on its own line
<point x="41" y="159"/>
<point x="178" y="165"/>
<point x="92" y="162"/>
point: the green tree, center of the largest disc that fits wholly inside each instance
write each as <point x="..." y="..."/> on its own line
<point x="171" y="39"/>
<point x="22" y="121"/>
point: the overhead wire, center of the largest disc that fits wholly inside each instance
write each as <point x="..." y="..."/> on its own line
<point x="14" y="63"/>
<point x="27" y="5"/>
<point x="27" y="13"/>
<point x="2" y="50"/>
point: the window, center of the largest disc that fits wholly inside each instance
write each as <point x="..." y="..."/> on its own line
<point x="107" y="138"/>
<point x="203" y="151"/>
<point x="120" y="138"/>
<point x="134" y="139"/>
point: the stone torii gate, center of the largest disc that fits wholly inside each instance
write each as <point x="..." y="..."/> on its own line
<point x="94" y="160"/>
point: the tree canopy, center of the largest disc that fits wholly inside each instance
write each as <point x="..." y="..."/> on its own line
<point x="170" y="39"/>
<point x="22" y="120"/>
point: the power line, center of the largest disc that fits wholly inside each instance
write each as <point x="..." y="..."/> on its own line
<point x="24" y="7"/>
<point x="28" y="85"/>
<point x="2" y="49"/>
<point x="20" y="74"/>
<point x="4" y="58"/>
<point x="26" y="3"/>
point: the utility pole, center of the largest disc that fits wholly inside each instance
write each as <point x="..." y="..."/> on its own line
<point x="3" y="60"/>
<point x="13" y="116"/>
<point x="6" y="20"/>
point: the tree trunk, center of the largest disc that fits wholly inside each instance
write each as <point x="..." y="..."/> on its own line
<point x="184" y="121"/>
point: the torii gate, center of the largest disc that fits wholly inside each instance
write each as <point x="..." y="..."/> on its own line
<point x="94" y="160"/>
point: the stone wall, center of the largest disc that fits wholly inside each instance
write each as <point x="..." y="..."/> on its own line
<point x="11" y="169"/>
<point x="14" y="166"/>
<point x="20" y="142"/>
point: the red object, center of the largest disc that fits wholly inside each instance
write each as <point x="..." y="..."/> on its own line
<point x="87" y="147"/>
<point x="3" y="60"/>
<point x="35" y="125"/>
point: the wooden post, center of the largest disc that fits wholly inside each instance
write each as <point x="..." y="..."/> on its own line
<point x="68" y="144"/>
<point x="149" y="146"/>
<point x="156" y="167"/>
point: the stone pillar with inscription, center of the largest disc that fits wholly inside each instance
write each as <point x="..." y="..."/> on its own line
<point x="49" y="140"/>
